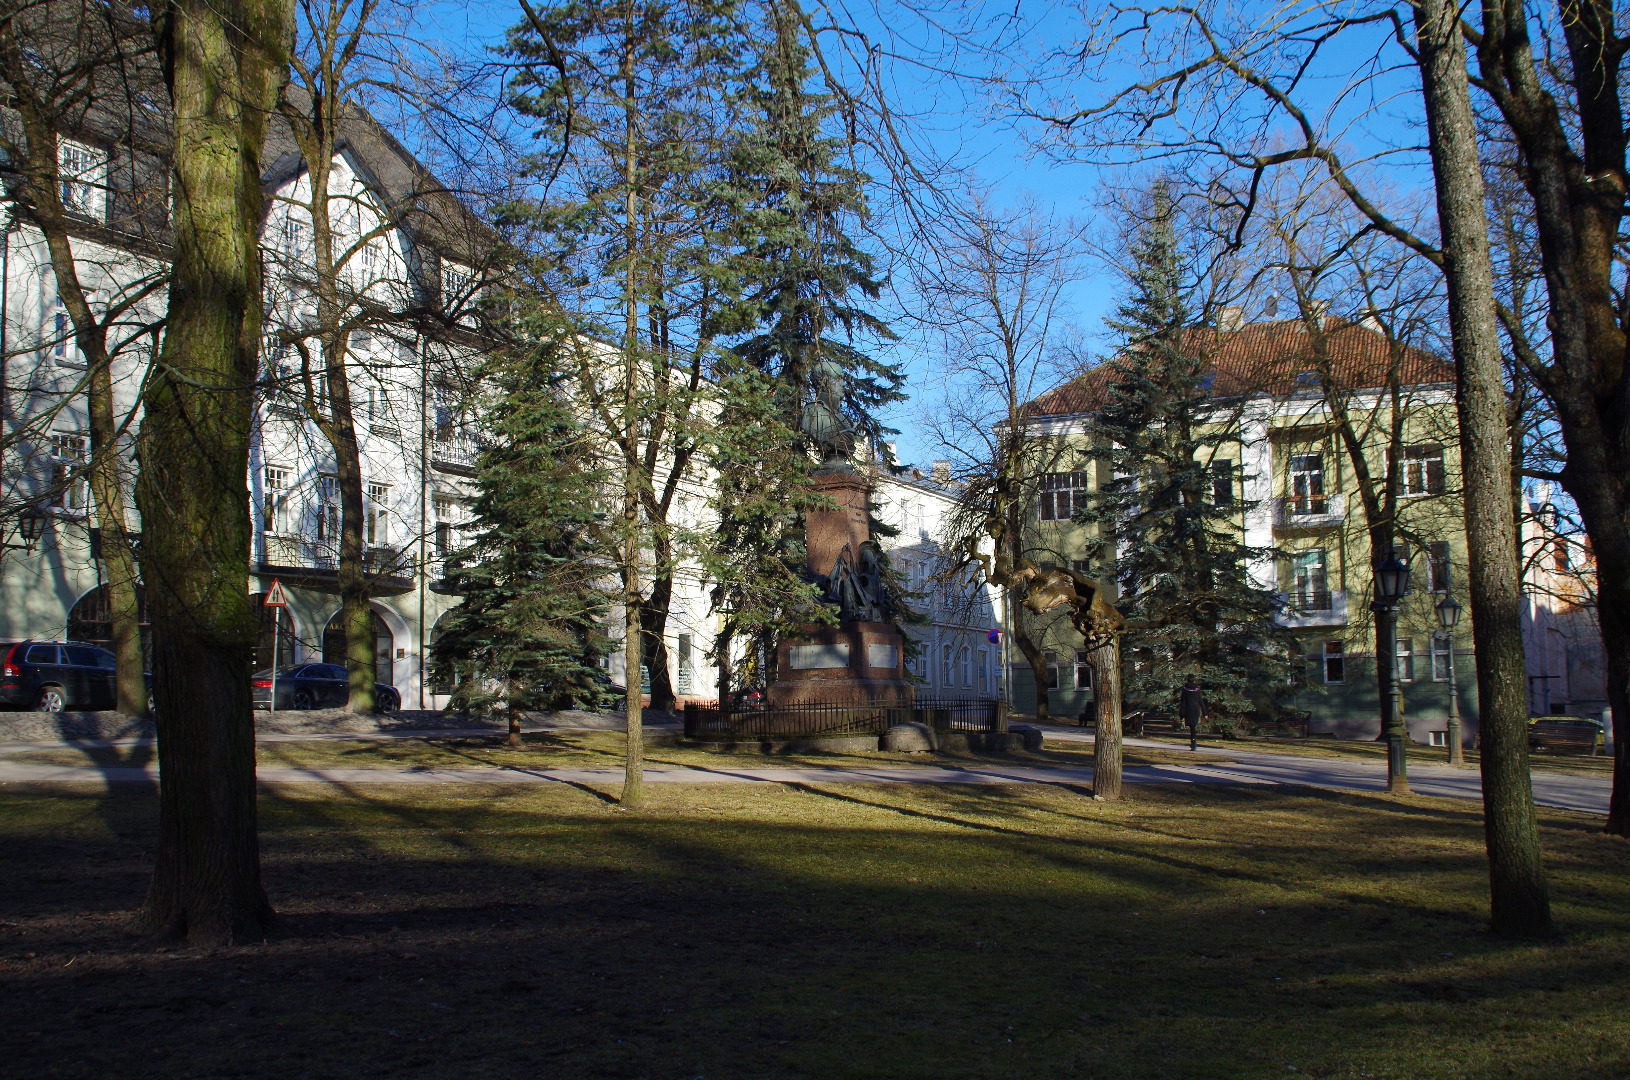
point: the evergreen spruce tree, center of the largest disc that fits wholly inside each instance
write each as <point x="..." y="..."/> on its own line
<point x="529" y="634"/>
<point x="797" y="284"/>
<point x="799" y="278"/>
<point x="1169" y="521"/>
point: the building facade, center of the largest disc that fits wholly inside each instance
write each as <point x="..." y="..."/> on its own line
<point x="1286" y="468"/>
<point x="1567" y="663"/>
<point x="955" y="656"/>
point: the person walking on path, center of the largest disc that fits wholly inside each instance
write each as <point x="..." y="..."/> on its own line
<point x="1191" y="706"/>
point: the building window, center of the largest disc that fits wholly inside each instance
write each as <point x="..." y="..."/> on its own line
<point x="1222" y="483"/>
<point x="1423" y="469"/>
<point x="81" y="174"/>
<point x="1062" y="494"/>
<point x="446" y="512"/>
<point x="69" y="489"/>
<point x="983" y="666"/>
<point x="376" y="515"/>
<point x="1437" y="565"/>
<point x="1052" y="669"/>
<point x="1307" y="484"/>
<point x="368" y="256"/>
<point x="1311" y="584"/>
<point x="275" y="519"/>
<point x="328" y="511"/>
<point x="1559" y="556"/>
<point x="945" y="665"/>
<point x="64" y="343"/>
<point x="1406" y="659"/>
<point x="1083" y="670"/>
<point x="1334" y="660"/>
<point x="294" y="234"/>
<point x="1441" y="658"/>
<point x="965" y="666"/>
<point x="687" y="672"/>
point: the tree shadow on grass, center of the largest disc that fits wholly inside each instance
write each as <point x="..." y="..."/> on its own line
<point x="881" y="945"/>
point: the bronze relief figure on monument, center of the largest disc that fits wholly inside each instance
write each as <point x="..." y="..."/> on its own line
<point x="859" y="660"/>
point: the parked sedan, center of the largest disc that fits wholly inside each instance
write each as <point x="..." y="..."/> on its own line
<point x="316" y="686"/>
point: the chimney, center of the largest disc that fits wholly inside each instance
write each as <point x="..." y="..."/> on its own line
<point x="891" y="452"/>
<point x="1230" y="318"/>
<point x="942" y="472"/>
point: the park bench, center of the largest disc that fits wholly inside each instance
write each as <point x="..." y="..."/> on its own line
<point x="1564" y="733"/>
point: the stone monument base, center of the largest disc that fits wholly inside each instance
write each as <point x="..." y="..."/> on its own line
<point x="853" y="663"/>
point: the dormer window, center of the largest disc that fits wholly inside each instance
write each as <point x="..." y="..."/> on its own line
<point x="82" y="175"/>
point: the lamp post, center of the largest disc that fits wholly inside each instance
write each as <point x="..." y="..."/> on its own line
<point x="1391" y="583"/>
<point x="1448" y="617"/>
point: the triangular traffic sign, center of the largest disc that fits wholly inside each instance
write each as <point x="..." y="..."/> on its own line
<point x="275" y="596"/>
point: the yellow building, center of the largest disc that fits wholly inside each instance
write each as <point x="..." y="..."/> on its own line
<point x="1296" y="464"/>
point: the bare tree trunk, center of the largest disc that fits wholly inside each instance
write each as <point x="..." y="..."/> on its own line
<point x="1037" y="658"/>
<point x="356" y="614"/>
<point x="654" y="624"/>
<point x="224" y="63"/>
<point x="1520" y="902"/>
<point x="1105" y="663"/>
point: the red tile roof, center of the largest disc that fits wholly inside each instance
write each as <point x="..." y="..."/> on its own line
<point x="1265" y="358"/>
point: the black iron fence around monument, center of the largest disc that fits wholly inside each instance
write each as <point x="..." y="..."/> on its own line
<point x="759" y="721"/>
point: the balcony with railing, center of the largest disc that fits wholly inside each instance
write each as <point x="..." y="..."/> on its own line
<point x="302" y="560"/>
<point x="454" y="449"/>
<point x="1308" y="607"/>
<point x="1309" y="511"/>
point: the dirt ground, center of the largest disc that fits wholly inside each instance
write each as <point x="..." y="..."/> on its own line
<point x="859" y="931"/>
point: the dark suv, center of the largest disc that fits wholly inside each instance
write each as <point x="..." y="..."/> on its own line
<point x="51" y="676"/>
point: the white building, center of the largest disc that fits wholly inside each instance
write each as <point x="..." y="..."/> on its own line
<point x="955" y="656"/>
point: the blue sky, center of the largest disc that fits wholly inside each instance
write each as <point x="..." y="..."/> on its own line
<point x="950" y="117"/>
<point x="950" y="121"/>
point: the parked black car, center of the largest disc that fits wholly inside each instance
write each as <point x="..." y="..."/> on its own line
<point x="53" y="676"/>
<point x="316" y="686"/>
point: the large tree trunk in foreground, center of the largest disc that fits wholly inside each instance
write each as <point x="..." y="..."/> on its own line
<point x="224" y="63"/>
<point x="1573" y="141"/>
<point x="1105" y="662"/>
<point x="1519" y="898"/>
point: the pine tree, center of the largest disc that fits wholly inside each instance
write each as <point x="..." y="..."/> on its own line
<point x="1176" y="547"/>
<point x="529" y="634"/>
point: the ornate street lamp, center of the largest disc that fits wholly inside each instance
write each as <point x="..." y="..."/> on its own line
<point x="30" y="523"/>
<point x="1448" y="618"/>
<point x="1391" y="584"/>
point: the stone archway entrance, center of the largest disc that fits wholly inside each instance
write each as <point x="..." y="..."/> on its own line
<point x="384" y="646"/>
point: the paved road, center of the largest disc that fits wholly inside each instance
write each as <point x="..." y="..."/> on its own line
<point x="1551" y="787"/>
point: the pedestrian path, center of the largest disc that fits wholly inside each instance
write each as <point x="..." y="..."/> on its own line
<point x="1551" y="788"/>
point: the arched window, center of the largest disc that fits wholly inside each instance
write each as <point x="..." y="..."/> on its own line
<point x="384" y="645"/>
<point x="91" y="621"/>
<point x="276" y="625"/>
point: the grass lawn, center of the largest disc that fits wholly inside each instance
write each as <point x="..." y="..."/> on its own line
<point x="848" y="931"/>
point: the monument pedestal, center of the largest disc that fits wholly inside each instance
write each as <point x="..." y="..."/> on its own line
<point x="853" y="663"/>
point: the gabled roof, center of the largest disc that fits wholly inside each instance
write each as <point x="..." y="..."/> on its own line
<point x="1270" y="359"/>
<point x="427" y="207"/>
